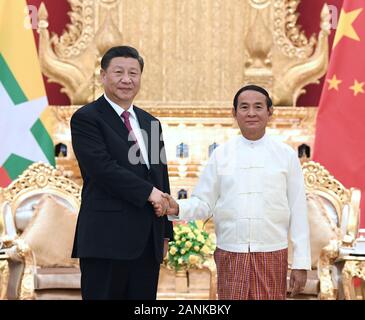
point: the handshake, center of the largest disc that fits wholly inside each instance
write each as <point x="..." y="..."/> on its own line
<point x="163" y="203"/>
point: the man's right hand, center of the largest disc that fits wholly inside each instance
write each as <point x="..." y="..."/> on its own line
<point x="173" y="208"/>
<point x="157" y="200"/>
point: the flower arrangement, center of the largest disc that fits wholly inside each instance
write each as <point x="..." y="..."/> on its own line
<point x="191" y="246"/>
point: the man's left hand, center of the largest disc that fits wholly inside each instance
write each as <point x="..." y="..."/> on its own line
<point x="298" y="278"/>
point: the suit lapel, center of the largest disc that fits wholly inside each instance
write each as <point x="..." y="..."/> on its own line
<point x="116" y="123"/>
<point x="112" y="119"/>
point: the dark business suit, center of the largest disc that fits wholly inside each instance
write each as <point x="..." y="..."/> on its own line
<point x="116" y="223"/>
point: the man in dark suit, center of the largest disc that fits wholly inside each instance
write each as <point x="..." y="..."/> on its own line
<point x="119" y="147"/>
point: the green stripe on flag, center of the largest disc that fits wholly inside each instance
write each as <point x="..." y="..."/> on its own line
<point x="44" y="140"/>
<point x="16" y="165"/>
<point x="10" y="83"/>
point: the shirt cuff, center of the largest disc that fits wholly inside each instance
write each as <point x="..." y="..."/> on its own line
<point x="301" y="264"/>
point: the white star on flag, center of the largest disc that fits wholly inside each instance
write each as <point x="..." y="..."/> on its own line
<point x="16" y="122"/>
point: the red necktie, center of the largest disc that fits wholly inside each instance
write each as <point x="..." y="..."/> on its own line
<point x="125" y="115"/>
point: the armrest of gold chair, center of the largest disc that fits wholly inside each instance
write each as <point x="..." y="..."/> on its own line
<point x="328" y="271"/>
<point x="16" y="259"/>
<point x="325" y="268"/>
<point x="17" y="270"/>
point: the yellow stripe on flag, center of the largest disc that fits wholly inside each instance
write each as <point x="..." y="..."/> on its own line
<point x="17" y="46"/>
<point x="49" y="120"/>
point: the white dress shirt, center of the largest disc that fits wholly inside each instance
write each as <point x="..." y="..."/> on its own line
<point x="255" y="192"/>
<point x="135" y="127"/>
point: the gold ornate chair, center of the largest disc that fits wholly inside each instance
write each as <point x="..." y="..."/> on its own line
<point x="333" y="213"/>
<point x="37" y="224"/>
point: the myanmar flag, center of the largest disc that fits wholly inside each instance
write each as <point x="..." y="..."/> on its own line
<point x="340" y="129"/>
<point x="25" y="124"/>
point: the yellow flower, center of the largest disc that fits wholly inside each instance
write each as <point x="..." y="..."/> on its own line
<point x="193" y="259"/>
<point x="186" y="249"/>
<point x="188" y="244"/>
<point x="173" y="250"/>
<point x="205" y="250"/>
<point x="200" y="238"/>
<point x="212" y="236"/>
<point x="185" y="230"/>
<point x="199" y="224"/>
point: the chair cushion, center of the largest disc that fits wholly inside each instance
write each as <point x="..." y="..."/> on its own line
<point x="58" y="294"/>
<point x="57" y="278"/>
<point x="50" y="233"/>
<point x="322" y="228"/>
<point x="25" y="212"/>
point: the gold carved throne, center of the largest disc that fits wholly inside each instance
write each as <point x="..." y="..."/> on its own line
<point x="38" y="213"/>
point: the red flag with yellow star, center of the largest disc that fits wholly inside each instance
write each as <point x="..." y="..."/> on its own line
<point x="340" y="130"/>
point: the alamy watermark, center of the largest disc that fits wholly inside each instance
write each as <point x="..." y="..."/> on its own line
<point x="334" y="16"/>
<point x="157" y="154"/>
<point x="154" y="150"/>
<point x="31" y="17"/>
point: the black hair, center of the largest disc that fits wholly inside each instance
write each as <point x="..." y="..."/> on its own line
<point x="121" y="51"/>
<point x="252" y="87"/>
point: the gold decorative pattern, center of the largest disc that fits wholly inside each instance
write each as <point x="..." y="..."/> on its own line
<point x="320" y="181"/>
<point x="301" y="71"/>
<point x="326" y="262"/>
<point x="71" y="59"/>
<point x="20" y="251"/>
<point x="79" y="35"/>
<point x="353" y="268"/>
<point x="196" y="51"/>
<point x="4" y="279"/>
<point x="37" y="178"/>
<point x="291" y="40"/>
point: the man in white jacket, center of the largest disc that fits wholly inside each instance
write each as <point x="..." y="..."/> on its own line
<point x="253" y="187"/>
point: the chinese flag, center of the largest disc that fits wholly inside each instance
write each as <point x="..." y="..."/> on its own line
<point x="340" y="130"/>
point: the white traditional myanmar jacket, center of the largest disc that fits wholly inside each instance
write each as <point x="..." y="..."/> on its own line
<point x="255" y="192"/>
